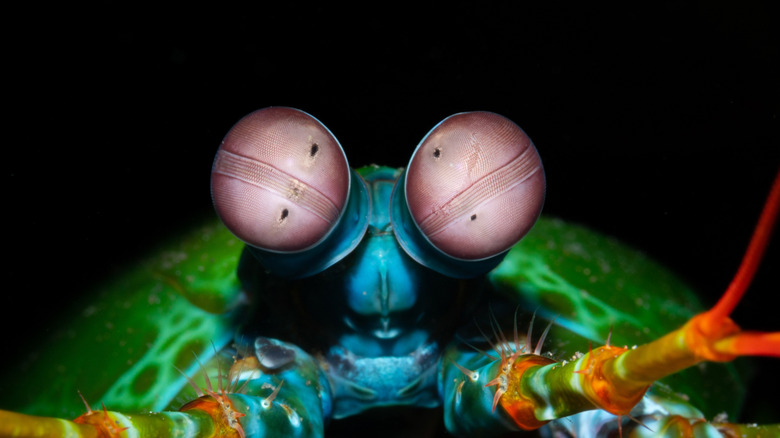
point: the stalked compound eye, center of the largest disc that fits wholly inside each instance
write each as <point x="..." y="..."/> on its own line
<point x="280" y="180"/>
<point x="281" y="183"/>
<point x="475" y="185"/>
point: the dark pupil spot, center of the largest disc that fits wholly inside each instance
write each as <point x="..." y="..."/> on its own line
<point x="473" y="217"/>
<point x="284" y="215"/>
<point x="314" y="149"/>
<point x="436" y="153"/>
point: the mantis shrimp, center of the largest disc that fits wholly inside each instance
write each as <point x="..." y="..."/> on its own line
<point x="359" y="290"/>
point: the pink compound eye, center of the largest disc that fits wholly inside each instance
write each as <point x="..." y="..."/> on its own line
<point x="475" y="185"/>
<point x="280" y="180"/>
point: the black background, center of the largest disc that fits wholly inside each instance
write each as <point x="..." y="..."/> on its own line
<point x="658" y="126"/>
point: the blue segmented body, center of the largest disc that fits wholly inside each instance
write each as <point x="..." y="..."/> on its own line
<point x="379" y="287"/>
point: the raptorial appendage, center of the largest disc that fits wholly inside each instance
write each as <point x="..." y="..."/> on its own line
<point x="486" y="393"/>
<point x="533" y="390"/>
<point x="268" y="389"/>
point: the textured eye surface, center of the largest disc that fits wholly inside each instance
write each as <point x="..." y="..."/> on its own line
<point x="475" y="185"/>
<point x="280" y="180"/>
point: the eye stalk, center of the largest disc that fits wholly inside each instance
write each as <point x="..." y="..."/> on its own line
<point x="281" y="183"/>
<point x="473" y="188"/>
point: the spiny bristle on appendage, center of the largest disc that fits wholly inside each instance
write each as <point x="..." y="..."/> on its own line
<point x="473" y="375"/>
<point x="86" y="405"/>
<point x="268" y="401"/>
<point x="477" y="349"/>
<point x="510" y="351"/>
<point x="507" y="352"/>
<point x="192" y="383"/>
<point x="530" y="330"/>
<point x="540" y="342"/>
<point x="507" y="360"/>
<point x="232" y="386"/>
<point x="238" y="373"/>
<point x="233" y="376"/>
<point x="225" y="412"/>
<point x="102" y="421"/>
<point x="635" y="420"/>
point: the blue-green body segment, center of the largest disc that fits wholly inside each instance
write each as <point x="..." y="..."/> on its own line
<point x="375" y="329"/>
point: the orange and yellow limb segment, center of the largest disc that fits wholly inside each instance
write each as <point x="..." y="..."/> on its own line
<point x="615" y="379"/>
<point x="533" y="390"/>
<point x="218" y="411"/>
